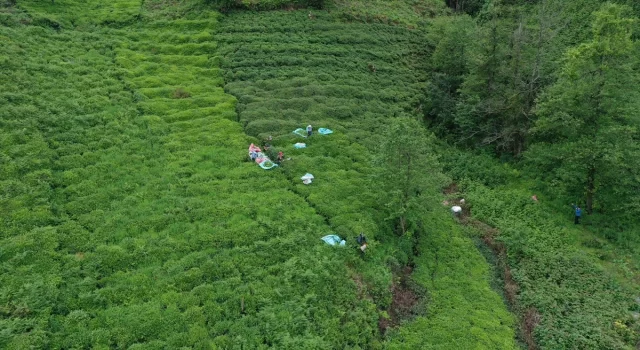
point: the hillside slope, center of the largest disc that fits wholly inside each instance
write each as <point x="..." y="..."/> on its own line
<point x="131" y="217"/>
<point x="139" y="221"/>
<point x="288" y="70"/>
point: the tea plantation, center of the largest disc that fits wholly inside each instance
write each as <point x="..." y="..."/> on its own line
<point x="288" y="71"/>
<point x="131" y="216"/>
<point x="137" y="198"/>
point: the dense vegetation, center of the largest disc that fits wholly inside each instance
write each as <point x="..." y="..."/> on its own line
<point x="130" y="216"/>
<point x="550" y="84"/>
<point x="288" y="70"/>
<point x="138" y="221"/>
<point x="563" y="102"/>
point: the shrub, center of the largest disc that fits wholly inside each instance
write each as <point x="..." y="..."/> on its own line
<point x="180" y="93"/>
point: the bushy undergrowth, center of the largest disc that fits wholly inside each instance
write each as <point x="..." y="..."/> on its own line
<point x="266" y="4"/>
<point x="288" y="70"/>
<point x="575" y="292"/>
<point x="463" y="311"/>
<point x="409" y="13"/>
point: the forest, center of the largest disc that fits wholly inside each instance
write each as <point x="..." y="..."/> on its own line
<point x="132" y="217"/>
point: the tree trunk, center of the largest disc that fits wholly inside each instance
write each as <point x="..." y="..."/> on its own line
<point x="403" y="225"/>
<point x="454" y="5"/>
<point x="591" y="188"/>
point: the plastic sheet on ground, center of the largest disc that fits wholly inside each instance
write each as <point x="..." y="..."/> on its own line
<point x="307" y="178"/>
<point x="261" y="159"/>
<point x="267" y="164"/>
<point x="333" y="240"/>
<point x="300" y="145"/>
<point x="300" y="132"/>
<point x="325" y="131"/>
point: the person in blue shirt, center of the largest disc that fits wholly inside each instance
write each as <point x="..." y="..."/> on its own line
<point x="578" y="213"/>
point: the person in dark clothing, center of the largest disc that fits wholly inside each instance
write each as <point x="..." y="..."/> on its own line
<point x="578" y="213"/>
<point x="362" y="241"/>
<point x="309" y="130"/>
<point x="267" y="143"/>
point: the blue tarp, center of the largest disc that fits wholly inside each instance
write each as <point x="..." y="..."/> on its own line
<point x="325" y="131"/>
<point x="300" y="132"/>
<point x="267" y="164"/>
<point x="333" y="240"/>
<point x="300" y="145"/>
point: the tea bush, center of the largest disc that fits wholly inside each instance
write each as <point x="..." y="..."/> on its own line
<point x="409" y="13"/>
<point x="69" y="13"/>
<point x="564" y="272"/>
<point x="130" y="218"/>
<point x="288" y="71"/>
<point x="225" y="5"/>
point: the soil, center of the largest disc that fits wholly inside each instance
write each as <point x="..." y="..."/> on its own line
<point x="530" y="318"/>
<point x="404" y="300"/>
<point x="452" y="188"/>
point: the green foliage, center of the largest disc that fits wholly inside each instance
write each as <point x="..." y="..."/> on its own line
<point x="129" y="217"/>
<point x="481" y="168"/>
<point x="589" y="120"/>
<point x="225" y="5"/>
<point x="582" y="147"/>
<point x="323" y="75"/>
<point x="68" y="13"/>
<point x="409" y="13"/>
<point x="485" y="94"/>
<point x="577" y="299"/>
<point x="322" y="78"/>
<point x="467" y="6"/>
<point x="409" y="172"/>
<point x="462" y="309"/>
<point x="452" y="40"/>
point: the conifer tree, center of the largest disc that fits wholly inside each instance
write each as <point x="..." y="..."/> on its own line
<point x="586" y="133"/>
<point x="410" y="172"/>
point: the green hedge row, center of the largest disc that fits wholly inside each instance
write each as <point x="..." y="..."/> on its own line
<point x="225" y="5"/>
<point x="287" y="71"/>
<point x="130" y="216"/>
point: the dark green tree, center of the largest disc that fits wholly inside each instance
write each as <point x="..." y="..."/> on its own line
<point x="586" y="132"/>
<point x="410" y="173"/>
<point x="509" y="57"/>
<point x="452" y="41"/>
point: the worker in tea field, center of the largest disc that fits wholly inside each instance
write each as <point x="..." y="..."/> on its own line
<point x="267" y="143"/>
<point x="578" y="213"/>
<point x="280" y="157"/>
<point x="362" y="241"/>
<point x="309" y="130"/>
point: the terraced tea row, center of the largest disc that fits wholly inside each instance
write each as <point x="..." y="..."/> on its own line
<point x="69" y="13"/>
<point x="130" y="216"/>
<point x="287" y="71"/>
